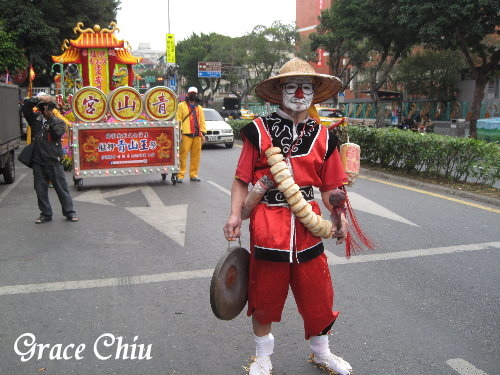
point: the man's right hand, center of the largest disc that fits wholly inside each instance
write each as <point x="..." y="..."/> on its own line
<point x="232" y="228"/>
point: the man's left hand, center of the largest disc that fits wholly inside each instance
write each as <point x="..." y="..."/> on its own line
<point x="341" y="233"/>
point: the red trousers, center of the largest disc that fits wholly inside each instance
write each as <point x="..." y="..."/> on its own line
<point x="311" y="285"/>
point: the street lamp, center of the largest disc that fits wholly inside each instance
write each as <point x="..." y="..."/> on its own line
<point x="61" y="71"/>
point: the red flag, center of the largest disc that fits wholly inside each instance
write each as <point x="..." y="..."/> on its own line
<point x="32" y="73"/>
<point x="30" y="81"/>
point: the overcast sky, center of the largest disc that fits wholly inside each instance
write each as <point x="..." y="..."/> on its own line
<point x="147" y="20"/>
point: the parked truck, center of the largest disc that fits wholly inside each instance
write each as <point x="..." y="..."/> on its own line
<point x="10" y="130"/>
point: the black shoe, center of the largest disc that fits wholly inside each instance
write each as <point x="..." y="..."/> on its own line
<point x="194" y="179"/>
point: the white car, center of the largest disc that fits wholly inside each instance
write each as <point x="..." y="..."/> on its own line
<point x="218" y="131"/>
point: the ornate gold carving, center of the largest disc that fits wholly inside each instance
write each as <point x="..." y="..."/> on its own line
<point x="78" y="29"/>
<point x="112" y="29"/>
<point x="65" y="44"/>
<point x="96" y="29"/>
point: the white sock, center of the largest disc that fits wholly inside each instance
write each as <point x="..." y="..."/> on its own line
<point x="319" y="344"/>
<point x="264" y="345"/>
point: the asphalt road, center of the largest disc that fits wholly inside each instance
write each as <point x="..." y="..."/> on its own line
<point x="126" y="289"/>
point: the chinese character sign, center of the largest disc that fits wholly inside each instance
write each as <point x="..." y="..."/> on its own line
<point x="98" y="68"/>
<point x="160" y="103"/>
<point x="126" y="147"/>
<point x="89" y="104"/>
<point x="125" y="103"/>
<point x="170" y="50"/>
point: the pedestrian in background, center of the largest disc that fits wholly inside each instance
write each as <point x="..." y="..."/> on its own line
<point x="47" y="131"/>
<point x="190" y="114"/>
<point x="426" y="126"/>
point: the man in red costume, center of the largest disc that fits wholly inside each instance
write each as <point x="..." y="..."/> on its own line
<point x="284" y="252"/>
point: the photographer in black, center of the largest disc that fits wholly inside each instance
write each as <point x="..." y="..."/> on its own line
<point x="46" y="133"/>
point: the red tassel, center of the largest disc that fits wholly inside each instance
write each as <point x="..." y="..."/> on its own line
<point x="356" y="239"/>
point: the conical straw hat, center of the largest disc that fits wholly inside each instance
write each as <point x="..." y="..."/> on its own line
<point x="325" y="86"/>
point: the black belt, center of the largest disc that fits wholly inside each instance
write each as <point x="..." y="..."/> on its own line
<point x="274" y="197"/>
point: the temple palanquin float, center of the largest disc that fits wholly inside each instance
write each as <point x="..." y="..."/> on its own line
<point x="102" y="60"/>
<point x="116" y="130"/>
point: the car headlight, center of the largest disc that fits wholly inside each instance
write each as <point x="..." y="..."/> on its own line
<point x="226" y="131"/>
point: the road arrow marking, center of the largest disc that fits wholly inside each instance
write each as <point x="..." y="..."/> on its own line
<point x="358" y="202"/>
<point x="169" y="220"/>
<point x="463" y="367"/>
<point x="93" y="196"/>
<point x="361" y="203"/>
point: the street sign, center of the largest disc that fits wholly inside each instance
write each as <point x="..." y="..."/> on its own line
<point x="226" y="68"/>
<point x="170" y="50"/>
<point x="209" y="69"/>
<point x="172" y="83"/>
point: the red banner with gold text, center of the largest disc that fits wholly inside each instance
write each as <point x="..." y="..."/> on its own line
<point x="125" y="148"/>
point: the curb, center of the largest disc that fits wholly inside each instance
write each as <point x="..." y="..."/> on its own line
<point x="431" y="187"/>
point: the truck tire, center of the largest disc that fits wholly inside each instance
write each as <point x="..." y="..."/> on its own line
<point x="9" y="171"/>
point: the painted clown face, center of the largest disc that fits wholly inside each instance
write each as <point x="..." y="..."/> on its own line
<point x="298" y="93"/>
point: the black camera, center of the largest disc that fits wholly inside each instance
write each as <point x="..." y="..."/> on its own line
<point x="42" y="106"/>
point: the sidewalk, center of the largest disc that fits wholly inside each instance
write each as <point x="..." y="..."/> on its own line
<point x="431" y="187"/>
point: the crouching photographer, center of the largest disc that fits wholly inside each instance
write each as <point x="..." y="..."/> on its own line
<point x="46" y="133"/>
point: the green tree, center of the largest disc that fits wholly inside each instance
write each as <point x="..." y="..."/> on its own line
<point x="345" y="56"/>
<point x="370" y="33"/>
<point x="267" y="48"/>
<point x="12" y="58"/>
<point x="469" y="26"/>
<point x="252" y="57"/>
<point x="40" y="26"/>
<point x="199" y="48"/>
<point x="430" y="74"/>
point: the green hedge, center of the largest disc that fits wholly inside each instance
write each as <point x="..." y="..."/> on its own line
<point x="237" y="125"/>
<point x="458" y="158"/>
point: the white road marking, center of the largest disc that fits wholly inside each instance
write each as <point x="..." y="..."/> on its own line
<point x="170" y="220"/>
<point x="333" y="259"/>
<point x="358" y="202"/>
<point x="223" y="189"/>
<point x="188" y="275"/>
<point x="361" y="203"/>
<point x="463" y="367"/>
<point x="101" y="283"/>
<point x="152" y="198"/>
<point x="12" y="186"/>
<point x="94" y="196"/>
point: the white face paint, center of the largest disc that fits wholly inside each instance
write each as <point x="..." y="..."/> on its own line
<point x="298" y="93"/>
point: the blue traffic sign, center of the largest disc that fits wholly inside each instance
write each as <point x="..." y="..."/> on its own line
<point x="209" y="74"/>
<point x="172" y="83"/>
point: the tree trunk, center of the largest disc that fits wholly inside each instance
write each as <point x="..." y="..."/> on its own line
<point x="475" y="110"/>
<point x="379" y="113"/>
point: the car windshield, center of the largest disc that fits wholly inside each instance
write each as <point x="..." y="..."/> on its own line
<point x="330" y="113"/>
<point x="212" y="116"/>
